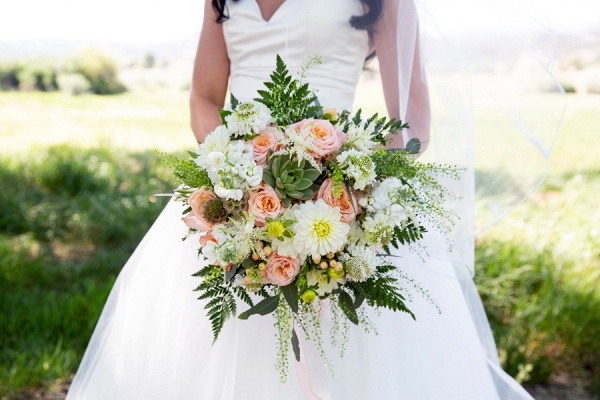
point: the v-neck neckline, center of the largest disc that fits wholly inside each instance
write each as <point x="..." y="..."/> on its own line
<point x="260" y="14"/>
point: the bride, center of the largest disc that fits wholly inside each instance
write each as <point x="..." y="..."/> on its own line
<point x="153" y="340"/>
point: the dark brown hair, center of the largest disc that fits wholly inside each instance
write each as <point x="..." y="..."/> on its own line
<point x="359" y="22"/>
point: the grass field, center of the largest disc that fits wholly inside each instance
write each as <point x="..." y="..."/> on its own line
<point x="76" y="178"/>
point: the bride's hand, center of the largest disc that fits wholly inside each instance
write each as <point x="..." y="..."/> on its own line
<point x="211" y="74"/>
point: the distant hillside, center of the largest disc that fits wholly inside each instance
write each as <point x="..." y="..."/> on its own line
<point x="184" y="48"/>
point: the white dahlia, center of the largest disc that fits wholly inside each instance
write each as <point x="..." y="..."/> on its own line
<point x="319" y="230"/>
<point x="249" y="117"/>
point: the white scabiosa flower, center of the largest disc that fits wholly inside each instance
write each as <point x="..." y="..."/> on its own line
<point x="358" y="166"/>
<point x="361" y="263"/>
<point x="378" y="229"/>
<point x="248" y="118"/>
<point x="319" y="229"/>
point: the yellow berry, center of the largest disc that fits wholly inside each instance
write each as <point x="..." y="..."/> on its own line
<point x="339" y="266"/>
<point x="323" y="265"/>
<point x="262" y="272"/>
<point x="335" y="274"/>
<point x="262" y="266"/>
<point x="259" y="245"/>
<point x="333" y="263"/>
<point x="255" y="256"/>
<point x="308" y="296"/>
<point x="330" y="255"/>
<point x="316" y="258"/>
<point x="268" y="251"/>
<point x="248" y="279"/>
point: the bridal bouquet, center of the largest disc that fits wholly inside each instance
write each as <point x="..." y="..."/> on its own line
<point x="299" y="205"/>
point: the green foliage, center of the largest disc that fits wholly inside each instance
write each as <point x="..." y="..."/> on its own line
<point x="407" y="235"/>
<point x="221" y="305"/>
<point x="289" y="99"/>
<point x="100" y="69"/>
<point x="74" y="84"/>
<point x="185" y="171"/>
<point x="9" y="75"/>
<point x="264" y="307"/>
<point x="69" y="220"/>
<point x="39" y="74"/>
<point x="381" y="290"/>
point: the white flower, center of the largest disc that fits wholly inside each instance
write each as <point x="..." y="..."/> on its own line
<point x="286" y="247"/>
<point x="361" y="263"/>
<point x="356" y="234"/>
<point x="397" y="214"/>
<point x="249" y="117"/>
<point x="208" y="251"/>
<point x="359" y="166"/>
<point x="385" y="194"/>
<point x="238" y="281"/>
<point x="378" y="229"/>
<point x="235" y="194"/>
<point x="251" y="173"/>
<point x="219" y="233"/>
<point x="316" y="277"/>
<point x="360" y="138"/>
<point x="319" y="229"/>
<point x="216" y="141"/>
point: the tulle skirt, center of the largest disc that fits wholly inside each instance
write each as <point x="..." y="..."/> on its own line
<point x="153" y="341"/>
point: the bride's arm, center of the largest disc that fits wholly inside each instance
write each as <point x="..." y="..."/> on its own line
<point x="211" y="73"/>
<point x="385" y="38"/>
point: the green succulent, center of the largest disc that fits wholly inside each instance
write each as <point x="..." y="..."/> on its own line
<point x="292" y="179"/>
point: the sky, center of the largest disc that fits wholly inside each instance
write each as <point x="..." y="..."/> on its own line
<point x="153" y="21"/>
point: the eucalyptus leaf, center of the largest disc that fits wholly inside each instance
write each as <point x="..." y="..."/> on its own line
<point x="347" y="306"/>
<point x="231" y="273"/>
<point x="296" y="345"/>
<point x="358" y="300"/>
<point x="413" y="146"/>
<point x="290" y="292"/>
<point x="265" y="307"/>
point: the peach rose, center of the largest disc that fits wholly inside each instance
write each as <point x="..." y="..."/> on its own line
<point x="326" y="138"/>
<point x="266" y="140"/>
<point x="264" y="202"/>
<point x="194" y="219"/>
<point x="344" y="202"/>
<point x="281" y="270"/>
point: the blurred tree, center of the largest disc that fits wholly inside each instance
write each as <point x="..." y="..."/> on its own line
<point x="100" y="69"/>
<point x="9" y="75"/>
<point x="149" y="60"/>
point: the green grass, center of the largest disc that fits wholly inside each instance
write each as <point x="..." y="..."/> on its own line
<point x="70" y="216"/>
<point x="69" y="219"/>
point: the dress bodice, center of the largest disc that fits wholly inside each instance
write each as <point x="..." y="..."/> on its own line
<point x="298" y="30"/>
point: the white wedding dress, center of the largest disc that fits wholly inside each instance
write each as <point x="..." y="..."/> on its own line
<point x="153" y="340"/>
